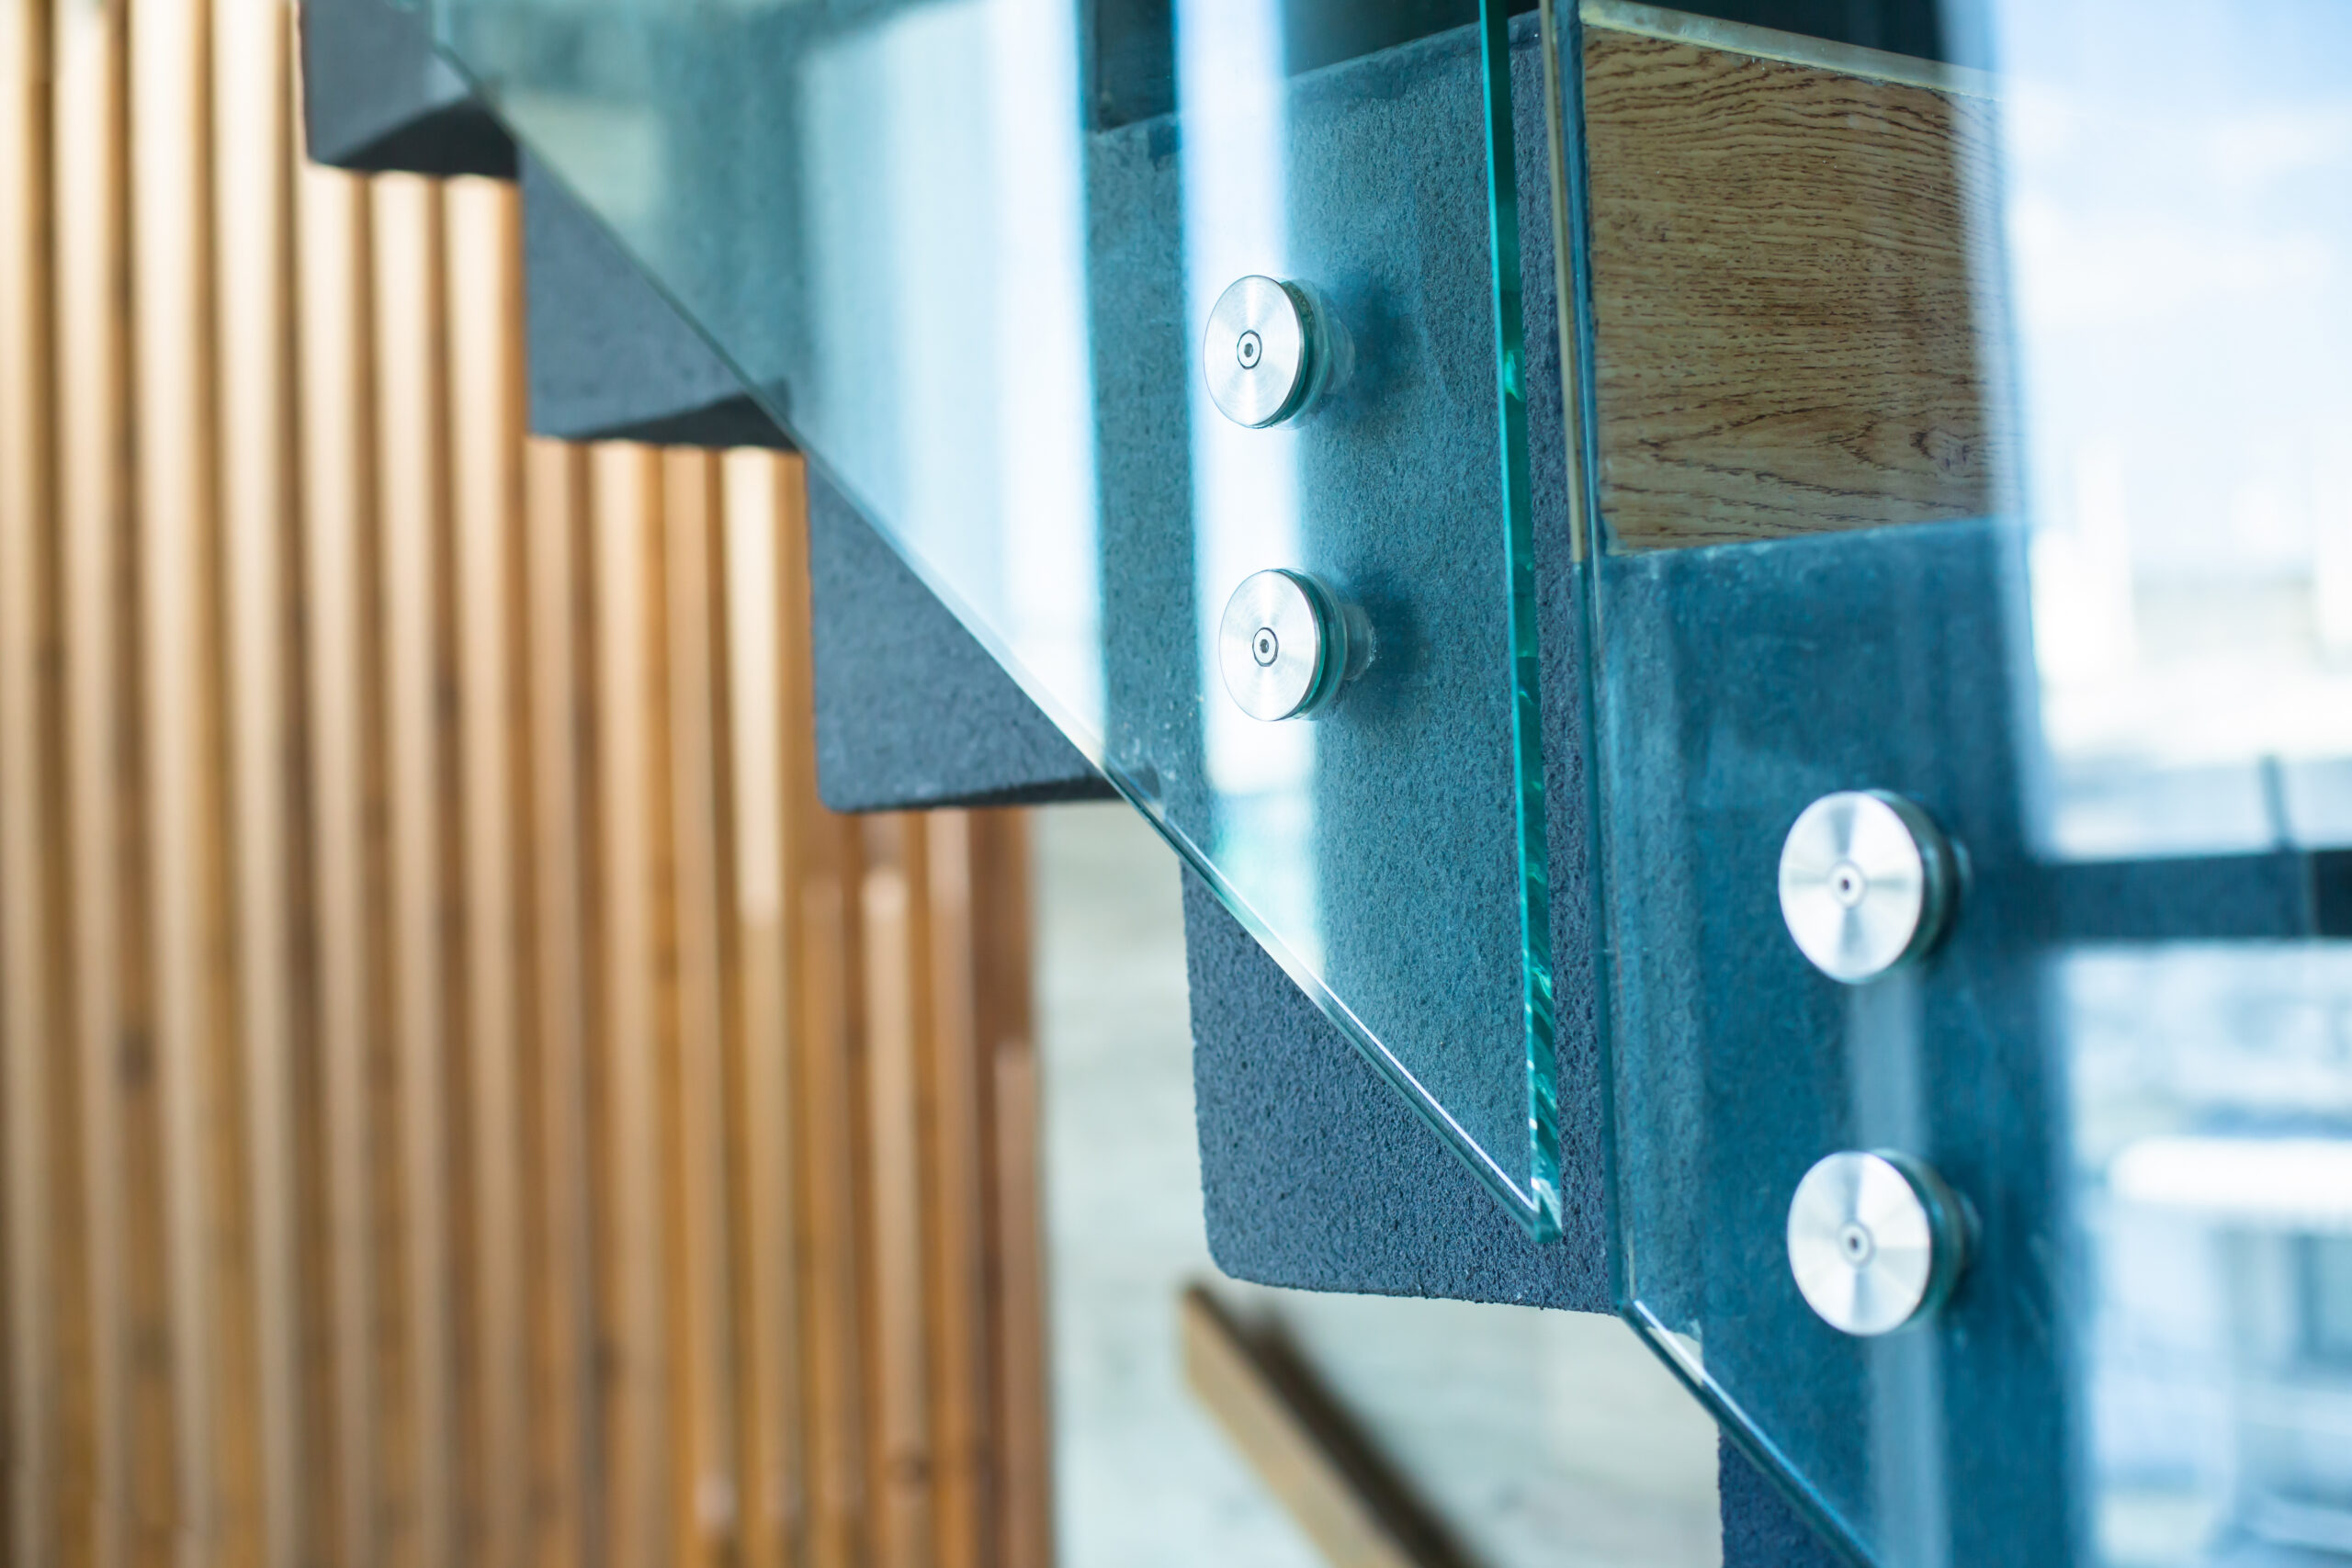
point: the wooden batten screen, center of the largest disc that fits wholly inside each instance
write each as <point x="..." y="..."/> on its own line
<point x="462" y="1102"/>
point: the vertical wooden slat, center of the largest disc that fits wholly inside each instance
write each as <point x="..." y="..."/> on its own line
<point x="822" y="865"/>
<point x="958" y="1200"/>
<point x="565" y="1521"/>
<point x="252" y="99"/>
<point x="338" y="468"/>
<point x="1024" y="1430"/>
<point x="93" y="480"/>
<point x="998" y="856"/>
<point x="635" y="1356"/>
<point x="135" y="1418"/>
<point x="506" y="1116"/>
<point x="831" y="1260"/>
<point x="32" y="911"/>
<point x="702" y="1325"/>
<point x="416" y="1395"/>
<point x="202" y="1202"/>
<point x="759" y="1093"/>
<point x="897" y="1005"/>
<point x="486" y="419"/>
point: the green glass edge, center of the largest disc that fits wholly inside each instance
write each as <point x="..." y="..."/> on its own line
<point x="1526" y="664"/>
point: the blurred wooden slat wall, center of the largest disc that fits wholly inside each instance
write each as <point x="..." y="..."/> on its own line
<point x="462" y="1100"/>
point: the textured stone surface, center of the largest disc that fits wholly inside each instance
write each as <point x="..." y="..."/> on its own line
<point x="610" y="357"/>
<point x="1316" y="1175"/>
<point x="377" y="98"/>
<point x="911" y="711"/>
<point x="1762" y="1529"/>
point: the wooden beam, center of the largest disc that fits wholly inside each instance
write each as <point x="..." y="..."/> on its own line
<point x="1321" y="1470"/>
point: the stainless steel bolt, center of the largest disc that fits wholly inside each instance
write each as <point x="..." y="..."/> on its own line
<point x="1263" y="353"/>
<point x="1867" y="883"/>
<point x="1875" y="1240"/>
<point x="1286" y="644"/>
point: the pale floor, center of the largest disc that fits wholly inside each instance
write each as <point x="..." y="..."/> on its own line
<point x="1540" y="1437"/>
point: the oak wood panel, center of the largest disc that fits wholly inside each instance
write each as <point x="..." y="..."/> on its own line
<point x="1791" y="336"/>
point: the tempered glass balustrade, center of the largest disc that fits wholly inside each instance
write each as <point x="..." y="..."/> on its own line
<point x="1981" y="434"/>
<point x="970" y="253"/>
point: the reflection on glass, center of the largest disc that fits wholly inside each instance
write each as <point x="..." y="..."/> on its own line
<point x="1977" y="431"/>
<point x="1532" y="1439"/>
<point x="964" y="252"/>
<point x="2211" y="1091"/>
<point x="2177" y="203"/>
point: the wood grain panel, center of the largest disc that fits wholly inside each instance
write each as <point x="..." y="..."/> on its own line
<point x="1789" y="334"/>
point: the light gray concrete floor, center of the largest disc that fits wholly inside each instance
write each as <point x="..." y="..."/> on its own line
<point x="1540" y="1437"/>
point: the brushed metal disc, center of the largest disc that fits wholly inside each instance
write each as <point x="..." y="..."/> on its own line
<point x="1275" y="645"/>
<point x="1875" y="1241"/>
<point x="1258" y="352"/>
<point x="1866" y="883"/>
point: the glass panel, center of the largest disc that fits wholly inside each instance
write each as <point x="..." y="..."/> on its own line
<point x="969" y="253"/>
<point x="1524" y="1439"/>
<point x="1984" y="436"/>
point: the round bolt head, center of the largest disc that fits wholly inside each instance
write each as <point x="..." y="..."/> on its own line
<point x="1866" y="884"/>
<point x="1281" y="645"/>
<point x="1258" y="352"/>
<point x="1875" y="1241"/>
